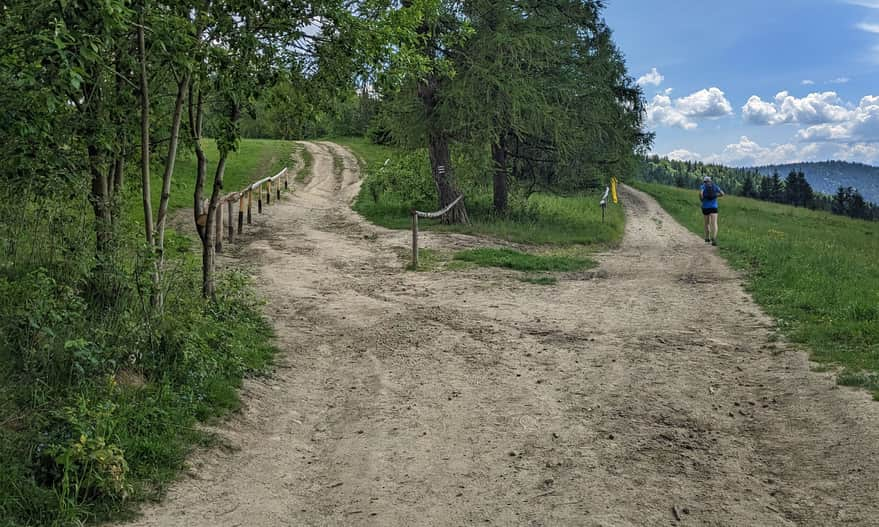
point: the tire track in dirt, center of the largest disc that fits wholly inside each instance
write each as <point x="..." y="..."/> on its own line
<point x="469" y="397"/>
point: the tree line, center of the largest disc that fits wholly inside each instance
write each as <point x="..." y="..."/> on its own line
<point x="794" y="189"/>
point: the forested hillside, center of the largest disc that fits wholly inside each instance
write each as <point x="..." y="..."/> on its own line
<point x="828" y="176"/>
<point x="791" y="187"/>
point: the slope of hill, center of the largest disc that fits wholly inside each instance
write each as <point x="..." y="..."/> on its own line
<point x="827" y="176"/>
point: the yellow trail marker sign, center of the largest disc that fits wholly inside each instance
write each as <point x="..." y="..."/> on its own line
<point x="613" y="190"/>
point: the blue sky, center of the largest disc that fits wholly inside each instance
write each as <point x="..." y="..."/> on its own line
<point x="756" y="81"/>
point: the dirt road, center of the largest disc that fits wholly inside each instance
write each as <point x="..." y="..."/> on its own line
<point x="651" y="393"/>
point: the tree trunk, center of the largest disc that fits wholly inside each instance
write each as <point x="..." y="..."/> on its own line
<point x="499" y="155"/>
<point x="182" y="88"/>
<point x="145" y="138"/>
<point x="441" y="167"/>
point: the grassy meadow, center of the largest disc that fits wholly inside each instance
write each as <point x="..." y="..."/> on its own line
<point x="817" y="274"/>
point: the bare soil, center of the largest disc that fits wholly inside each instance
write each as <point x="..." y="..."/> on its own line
<point x="652" y="392"/>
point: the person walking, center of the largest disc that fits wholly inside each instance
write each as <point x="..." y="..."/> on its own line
<point x="708" y="194"/>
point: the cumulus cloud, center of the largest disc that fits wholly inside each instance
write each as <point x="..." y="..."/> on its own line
<point x="748" y="152"/>
<point x="683" y="155"/>
<point x="683" y="112"/>
<point x="807" y="82"/>
<point x="860" y="124"/>
<point x="653" y="77"/>
<point x="813" y="109"/>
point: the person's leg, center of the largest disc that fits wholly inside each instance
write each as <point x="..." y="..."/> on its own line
<point x="713" y="227"/>
<point x="707" y="226"/>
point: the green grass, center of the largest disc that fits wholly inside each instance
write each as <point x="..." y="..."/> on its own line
<point x="307" y="163"/>
<point x="817" y="274"/>
<point x="255" y="159"/>
<point x="541" y="219"/>
<point x="510" y="259"/>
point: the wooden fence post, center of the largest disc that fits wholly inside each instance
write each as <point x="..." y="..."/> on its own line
<point x="241" y="214"/>
<point x="286" y="179"/>
<point x="259" y="199"/>
<point x="218" y="231"/>
<point x="231" y="225"/>
<point x="414" y="240"/>
<point x="269" y="192"/>
<point x="278" y="190"/>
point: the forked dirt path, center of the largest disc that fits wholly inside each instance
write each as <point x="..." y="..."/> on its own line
<point x="648" y="394"/>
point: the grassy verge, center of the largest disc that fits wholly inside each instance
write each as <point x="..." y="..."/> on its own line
<point x="510" y="259"/>
<point x="304" y="171"/>
<point x="100" y="398"/>
<point x="816" y="273"/>
<point x="539" y="219"/>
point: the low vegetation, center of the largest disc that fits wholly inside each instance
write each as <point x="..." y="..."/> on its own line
<point x="99" y="394"/>
<point x="519" y="261"/>
<point x="397" y="181"/>
<point x="816" y="273"/>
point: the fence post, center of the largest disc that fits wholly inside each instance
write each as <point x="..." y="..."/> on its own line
<point x="278" y="190"/>
<point x="218" y="231"/>
<point x="231" y="225"/>
<point x="269" y="192"/>
<point x="259" y="199"/>
<point x="286" y="178"/>
<point x="414" y="240"/>
<point x="241" y="214"/>
<point x="249" y="206"/>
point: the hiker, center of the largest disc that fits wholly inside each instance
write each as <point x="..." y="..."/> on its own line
<point x="708" y="194"/>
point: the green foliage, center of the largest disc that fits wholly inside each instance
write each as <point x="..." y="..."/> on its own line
<point x="110" y="370"/>
<point x="816" y="273"/>
<point x="510" y="259"/>
<point x="532" y="218"/>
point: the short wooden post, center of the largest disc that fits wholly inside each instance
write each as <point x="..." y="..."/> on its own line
<point x="286" y="179"/>
<point x="269" y="192"/>
<point x="218" y="231"/>
<point x="278" y="190"/>
<point x="414" y="240"/>
<point x="249" y="206"/>
<point x="241" y="214"/>
<point x="231" y="225"/>
<point x="259" y="199"/>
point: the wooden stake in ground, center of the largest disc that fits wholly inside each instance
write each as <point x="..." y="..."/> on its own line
<point x="231" y="225"/>
<point x="241" y="213"/>
<point x="249" y="206"/>
<point x="218" y="233"/>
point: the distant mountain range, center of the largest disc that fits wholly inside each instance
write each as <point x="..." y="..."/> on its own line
<point x="827" y="176"/>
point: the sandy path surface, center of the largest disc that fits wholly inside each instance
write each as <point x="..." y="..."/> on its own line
<point x="651" y="393"/>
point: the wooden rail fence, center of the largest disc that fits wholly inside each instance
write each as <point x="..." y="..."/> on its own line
<point x="263" y="189"/>
<point x="418" y="214"/>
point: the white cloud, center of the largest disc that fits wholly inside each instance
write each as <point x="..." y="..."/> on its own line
<point x="807" y="82"/>
<point x="860" y="124"/>
<point x="683" y="155"/>
<point x="683" y="112"/>
<point x="839" y="80"/>
<point x="653" y="77"/>
<point x="708" y="103"/>
<point x="747" y="152"/>
<point x="872" y="4"/>
<point x="813" y="109"/>
<point x="870" y="28"/>
<point x="662" y="112"/>
<point x="862" y="152"/>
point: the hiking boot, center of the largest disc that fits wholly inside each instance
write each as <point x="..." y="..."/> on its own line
<point x="707" y="240"/>
<point x="714" y="243"/>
